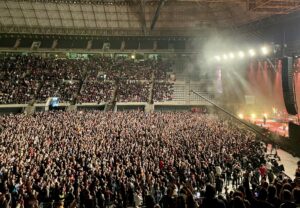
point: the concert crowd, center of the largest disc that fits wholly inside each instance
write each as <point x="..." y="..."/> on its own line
<point x="135" y="159"/>
<point x="25" y="79"/>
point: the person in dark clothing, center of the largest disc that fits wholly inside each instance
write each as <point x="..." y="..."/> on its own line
<point x="272" y="196"/>
<point x="287" y="200"/>
<point x="237" y="202"/>
<point x="297" y="174"/>
<point x="261" y="201"/>
<point x="296" y="195"/>
<point x="167" y="201"/>
<point x="149" y="201"/>
<point x="210" y="200"/>
<point x="219" y="184"/>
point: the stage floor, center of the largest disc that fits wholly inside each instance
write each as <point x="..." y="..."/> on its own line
<point x="276" y="126"/>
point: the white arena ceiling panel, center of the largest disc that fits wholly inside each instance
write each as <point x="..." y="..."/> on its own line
<point x="31" y="22"/>
<point x="4" y="12"/>
<point x="53" y="14"/>
<point x="88" y="16"/>
<point x="100" y="16"/>
<point x="55" y="22"/>
<point x="134" y="24"/>
<point x="77" y="15"/>
<point x="44" y="22"/>
<point x="67" y="23"/>
<point x="64" y="7"/>
<point x="75" y="7"/>
<point x="133" y="17"/>
<point x="90" y="24"/>
<point x="110" y="8"/>
<point x="173" y="14"/>
<point x="87" y="8"/>
<point x="50" y="6"/>
<point x="38" y="6"/>
<point x="28" y="13"/>
<point x="101" y="24"/>
<point x="98" y="9"/>
<point x="78" y="23"/>
<point x="123" y="24"/>
<point x="121" y="9"/>
<point x="41" y="14"/>
<point x="12" y="4"/>
<point x="25" y="5"/>
<point x="65" y="15"/>
<point x="111" y="16"/>
<point x="123" y="16"/>
<point x="7" y="21"/>
<point x="112" y="24"/>
<point x="19" y="21"/>
<point x="2" y="4"/>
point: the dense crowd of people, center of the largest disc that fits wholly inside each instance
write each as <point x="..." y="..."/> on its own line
<point x="32" y="78"/>
<point x="96" y="91"/>
<point x="65" y="90"/>
<point x="133" y="91"/>
<point x="133" y="159"/>
<point x="162" y="91"/>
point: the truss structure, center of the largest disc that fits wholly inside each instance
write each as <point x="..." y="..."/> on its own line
<point x="274" y="6"/>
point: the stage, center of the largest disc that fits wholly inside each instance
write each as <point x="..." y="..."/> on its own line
<point x="276" y="125"/>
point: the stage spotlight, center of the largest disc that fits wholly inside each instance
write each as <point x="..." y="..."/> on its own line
<point x="253" y="116"/>
<point x="252" y="52"/>
<point x="133" y="56"/>
<point x="241" y="116"/>
<point x="218" y="58"/>
<point x="231" y="55"/>
<point x="264" y="50"/>
<point x="225" y="57"/>
<point x="241" y="54"/>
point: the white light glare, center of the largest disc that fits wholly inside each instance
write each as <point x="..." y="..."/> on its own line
<point x="225" y="57"/>
<point x="264" y="50"/>
<point x="231" y="55"/>
<point x="241" y="116"/>
<point x="218" y="58"/>
<point x="241" y="54"/>
<point x="252" y="52"/>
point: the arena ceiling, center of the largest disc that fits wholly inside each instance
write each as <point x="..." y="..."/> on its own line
<point x="135" y="17"/>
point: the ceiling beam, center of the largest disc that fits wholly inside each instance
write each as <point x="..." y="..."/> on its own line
<point x="155" y="18"/>
<point x="142" y="15"/>
<point x="268" y="5"/>
<point x="260" y="3"/>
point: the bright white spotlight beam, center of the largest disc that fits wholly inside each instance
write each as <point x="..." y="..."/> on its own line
<point x="264" y="50"/>
<point x="218" y="58"/>
<point x="241" y="54"/>
<point x="252" y="52"/>
<point x="225" y="57"/>
<point x="231" y="55"/>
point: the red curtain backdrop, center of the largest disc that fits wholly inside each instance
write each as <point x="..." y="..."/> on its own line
<point x="265" y="84"/>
